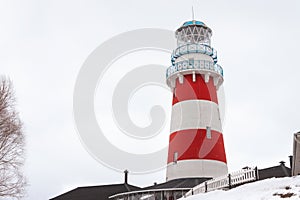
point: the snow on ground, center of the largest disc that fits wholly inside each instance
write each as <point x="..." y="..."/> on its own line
<point x="270" y="189"/>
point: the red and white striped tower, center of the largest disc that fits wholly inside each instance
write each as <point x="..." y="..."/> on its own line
<point x="196" y="147"/>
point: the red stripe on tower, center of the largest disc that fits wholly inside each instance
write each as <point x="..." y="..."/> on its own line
<point x="190" y="90"/>
<point x="196" y="146"/>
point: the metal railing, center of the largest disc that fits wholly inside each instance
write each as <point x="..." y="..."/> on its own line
<point x="227" y="181"/>
<point x="194" y="65"/>
<point x="194" y="48"/>
<point x="151" y="194"/>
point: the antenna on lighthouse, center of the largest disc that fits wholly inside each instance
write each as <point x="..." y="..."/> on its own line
<point x="193" y="14"/>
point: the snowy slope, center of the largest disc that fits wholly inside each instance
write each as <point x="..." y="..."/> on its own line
<point x="275" y="188"/>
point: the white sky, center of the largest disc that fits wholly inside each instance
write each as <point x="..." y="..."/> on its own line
<point x="44" y="43"/>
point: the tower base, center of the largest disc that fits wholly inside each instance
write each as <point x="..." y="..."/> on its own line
<point x="192" y="169"/>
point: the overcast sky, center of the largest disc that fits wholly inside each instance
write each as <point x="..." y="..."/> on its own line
<point x="44" y="43"/>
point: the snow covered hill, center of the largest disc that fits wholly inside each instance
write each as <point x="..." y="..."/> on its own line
<point x="270" y="189"/>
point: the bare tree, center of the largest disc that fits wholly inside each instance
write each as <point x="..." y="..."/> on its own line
<point x="12" y="181"/>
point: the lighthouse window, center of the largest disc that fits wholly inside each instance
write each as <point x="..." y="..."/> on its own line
<point x="175" y="157"/>
<point x="191" y="62"/>
<point x="208" y="132"/>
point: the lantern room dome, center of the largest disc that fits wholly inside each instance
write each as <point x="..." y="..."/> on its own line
<point x="193" y="22"/>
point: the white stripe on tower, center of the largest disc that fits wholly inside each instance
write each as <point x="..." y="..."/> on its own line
<point x="192" y="168"/>
<point x="195" y="114"/>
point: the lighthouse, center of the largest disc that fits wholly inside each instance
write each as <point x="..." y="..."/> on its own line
<point x="196" y="147"/>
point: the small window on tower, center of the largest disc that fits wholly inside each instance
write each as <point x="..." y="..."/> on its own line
<point x="191" y="62"/>
<point x="175" y="157"/>
<point x="208" y="132"/>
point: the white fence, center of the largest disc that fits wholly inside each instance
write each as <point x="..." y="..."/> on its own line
<point x="243" y="176"/>
<point x="227" y="181"/>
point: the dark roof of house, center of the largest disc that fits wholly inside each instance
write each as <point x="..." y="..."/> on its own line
<point x="104" y="191"/>
<point x="277" y="171"/>
<point x="178" y="183"/>
<point x="95" y="192"/>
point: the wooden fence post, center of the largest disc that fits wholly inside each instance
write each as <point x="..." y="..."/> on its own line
<point x="229" y="180"/>
<point x="256" y="174"/>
